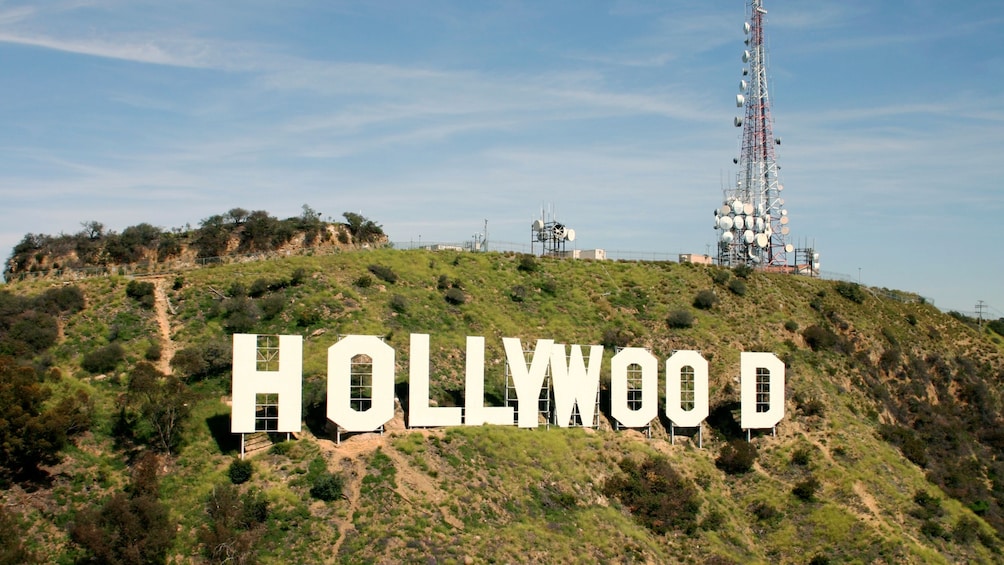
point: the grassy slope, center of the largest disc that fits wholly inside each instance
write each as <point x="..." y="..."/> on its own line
<point x="516" y="495"/>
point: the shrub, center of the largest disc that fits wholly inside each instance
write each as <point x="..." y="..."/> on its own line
<point x="258" y="288"/>
<point x="327" y="487"/>
<point x="518" y="293"/>
<point x="720" y="276"/>
<point x="443" y="282"/>
<point x="743" y="271"/>
<point x="527" y="264"/>
<point x="549" y="287"/>
<point x="705" y="300"/>
<point x="819" y="338"/>
<point x="383" y="273"/>
<point x="850" y="291"/>
<point x="616" y="337"/>
<point x="737" y="457"/>
<point x="928" y="506"/>
<point x="805" y="490"/>
<point x="240" y="471"/>
<point x="363" y="281"/>
<point x="141" y="292"/>
<point x="656" y="494"/>
<point x="791" y="326"/>
<point x="738" y="287"/>
<point x="103" y="359"/>
<point x="680" y="319"/>
<point x="153" y="352"/>
<point x="272" y="306"/>
<point x="801" y="456"/>
<point x="299" y="275"/>
<point x="810" y="406"/>
<point x="399" y="304"/>
<point x="456" y="296"/>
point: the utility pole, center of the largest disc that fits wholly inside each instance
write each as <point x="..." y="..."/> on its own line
<point x="979" y="314"/>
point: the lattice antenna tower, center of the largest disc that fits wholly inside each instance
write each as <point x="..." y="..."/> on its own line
<point x="752" y="222"/>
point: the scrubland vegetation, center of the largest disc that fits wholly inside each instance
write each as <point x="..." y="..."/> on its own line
<point x="116" y="446"/>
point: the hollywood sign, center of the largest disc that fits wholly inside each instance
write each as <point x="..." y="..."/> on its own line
<point x="267" y="385"/>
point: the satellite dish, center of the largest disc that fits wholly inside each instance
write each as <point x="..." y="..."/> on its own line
<point x="738" y="121"/>
<point x="784" y="220"/>
<point x="538" y="225"/>
<point x="746" y="56"/>
<point x="746" y="27"/>
<point x="785" y="230"/>
<point x="727" y="237"/>
<point x="570" y="234"/>
<point x="761" y="239"/>
<point x="747" y="208"/>
<point x="784" y="212"/>
<point x="743" y="85"/>
<point x="780" y="187"/>
<point x="737" y="206"/>
<point x="815" y="256"/>
<point x="759" y="224"/>
<point x="740" y="100"/>
<point x="748" y="235"/>
<point x="559" y="231"/>
<point x="789" y="248"/>
<point x="739" y="222"/>
<point x="725" y="222"/>
<point x="725" y="210"/>
<point x="780" y="201"/>
<point x="746" y="72"/>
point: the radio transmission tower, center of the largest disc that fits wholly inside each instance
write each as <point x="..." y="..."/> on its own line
<point x="752" y="222"/>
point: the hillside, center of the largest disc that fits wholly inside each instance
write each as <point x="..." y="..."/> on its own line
<point x="890" y="450"/>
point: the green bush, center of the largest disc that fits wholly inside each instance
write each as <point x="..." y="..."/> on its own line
<point x="819" y="338"/>
<point x="272" y="305"/>
<point x="801" y="456"/>
<point x="518" y="293"/>
<point x="153" y="352"/>
<point x="103" y="359"/>
<point x="258" y="288"/>
<point x="737" y="457"/>
<point x="805" y="490"/>
<point x="656" y="494"/>
<point x="527" y="264"/>
<point x="456" y="296"/>
<point x="383" y="273"/>
<point x="141" y="292"/>
<point x="705" y="300"/>
<point x="791" y="326"/>
<point x="720" y="276"/>
<point x="363" y="281"/>
<point x="327" y="487"/>
<point x="738" y="287"/>
<point x="680" y="319"/>
<point x="240" y="471"/>
<point x="743" y="271"/>
<point x="850" y="291"/>
<point x="399" y="304"/>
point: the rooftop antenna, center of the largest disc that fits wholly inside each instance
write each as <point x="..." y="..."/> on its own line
<point x="551" y="233"/>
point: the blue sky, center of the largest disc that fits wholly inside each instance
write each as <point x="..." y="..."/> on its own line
<point x="431" y="116"/>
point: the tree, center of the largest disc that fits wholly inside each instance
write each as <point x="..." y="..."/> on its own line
<point x="235" y="524"/>
<point x="29" y="435"/>
<point x="362" y="229"/>
<point x="656" y="494"/>
<point x="162" y="404"/>
<point x="131" y="527"/>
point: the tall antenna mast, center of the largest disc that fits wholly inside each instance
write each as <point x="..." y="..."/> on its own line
<point x="752" y="221"/>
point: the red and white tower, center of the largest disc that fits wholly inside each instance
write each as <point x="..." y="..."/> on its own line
<point x="752" y="223"/>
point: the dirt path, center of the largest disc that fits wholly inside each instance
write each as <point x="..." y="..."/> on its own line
<point x="160" y="308"/>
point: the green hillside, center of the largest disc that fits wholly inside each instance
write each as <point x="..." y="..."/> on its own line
<point x="115" y="423"/>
